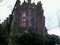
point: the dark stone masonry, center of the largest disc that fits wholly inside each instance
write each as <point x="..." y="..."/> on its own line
<point x="26" y="15"/>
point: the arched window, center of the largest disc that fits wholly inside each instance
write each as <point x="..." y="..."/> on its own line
<point x="23" y="19"/>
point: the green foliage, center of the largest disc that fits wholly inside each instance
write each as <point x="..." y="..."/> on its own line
<point x="3" y="36"/>
<point x="29" y="39"/>
<point x="53" y="39"/>
<point x="31" y="29"/>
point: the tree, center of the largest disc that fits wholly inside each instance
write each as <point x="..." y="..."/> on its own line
<point x="53" y="39"/>
<point x="29" y="38"/>
<point x="3" y="36"/>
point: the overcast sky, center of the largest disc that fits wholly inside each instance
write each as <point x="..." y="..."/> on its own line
<point x="51" y="12"/>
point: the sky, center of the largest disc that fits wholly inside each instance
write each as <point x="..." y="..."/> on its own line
<point x="51" y="13"/>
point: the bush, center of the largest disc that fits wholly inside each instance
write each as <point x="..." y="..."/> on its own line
<point x="3" y="36"/>
<point x="29" y="39"/>
<point x="53" y="39"/>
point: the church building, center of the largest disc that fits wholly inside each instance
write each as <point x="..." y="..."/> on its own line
<point x="27" y="15"/>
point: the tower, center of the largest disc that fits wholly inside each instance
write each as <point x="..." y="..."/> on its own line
<point x="28" y="15"/>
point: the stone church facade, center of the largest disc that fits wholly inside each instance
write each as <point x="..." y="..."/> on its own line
<point x="28" y="15"/>
<point x="25" y="16"/>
